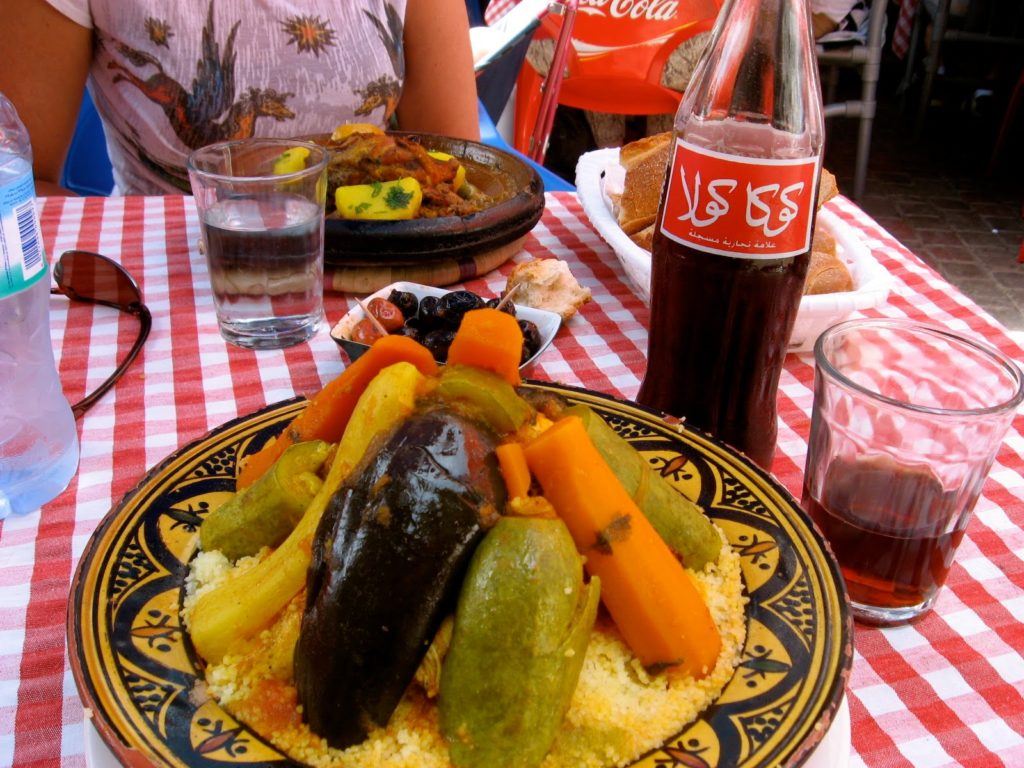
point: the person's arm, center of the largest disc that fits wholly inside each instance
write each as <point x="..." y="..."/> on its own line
<point x="440" y="86"/>
<point x="46" y="60"/>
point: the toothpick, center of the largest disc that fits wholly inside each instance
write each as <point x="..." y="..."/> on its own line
<point x="508" y="296"/>
<point x="374" y="320"/>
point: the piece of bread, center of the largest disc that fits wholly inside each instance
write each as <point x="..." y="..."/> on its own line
<point x="547" y="284"/>
<point x="645" y="161"/>
<point x="826" y="273"/>
<point x="645" y="237"/>
<point x="828" y="188"/>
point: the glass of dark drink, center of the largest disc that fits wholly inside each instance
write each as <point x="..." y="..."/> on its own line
<point x="261" y="213"/>
<point x="906" y="422"/>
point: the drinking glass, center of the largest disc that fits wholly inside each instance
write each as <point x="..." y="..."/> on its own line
<point x="261" y="209"/>
<point x="906" y="423"/>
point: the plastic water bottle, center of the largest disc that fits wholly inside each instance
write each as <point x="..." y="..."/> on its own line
<point x="38" y="439"/>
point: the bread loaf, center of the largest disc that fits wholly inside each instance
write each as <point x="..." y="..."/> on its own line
<point x="645" y="237"/>
<point x="827" y="188"/>
<point x="645" y="162"/>
<point x="826" y="272"/>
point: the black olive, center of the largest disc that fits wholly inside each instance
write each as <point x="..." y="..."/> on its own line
<point x="509" y="308"/>
<point x="405" y="301"/>
<point x="438" y="341"/>
<point x="455" y="304"/>
<point x="525" y="355"/>
<point x="410" y="330"/>
<point x="427" y="315"/>
<point x="531" y="336"/>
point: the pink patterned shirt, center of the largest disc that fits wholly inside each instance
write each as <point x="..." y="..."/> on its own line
<point x="169" y="76"/>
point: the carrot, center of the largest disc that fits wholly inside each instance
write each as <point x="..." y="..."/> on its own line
<point x="651" y="598"/>
<point x="512" y="463"/>
<point x="328" y="412"/>
<point x="489" y="339"/>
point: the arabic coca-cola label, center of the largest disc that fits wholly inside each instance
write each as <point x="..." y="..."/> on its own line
<point x="739" y="206"/>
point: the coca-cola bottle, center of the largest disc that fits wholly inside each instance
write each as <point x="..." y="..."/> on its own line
<point x="733" y="232"/>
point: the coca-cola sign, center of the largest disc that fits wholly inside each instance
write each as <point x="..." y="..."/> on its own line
<point x="739" y="206"/>
<point x="622" y="23"/>
<point x="657" y="10"/>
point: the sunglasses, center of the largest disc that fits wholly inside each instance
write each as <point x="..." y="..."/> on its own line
<point x="90" y="277"/>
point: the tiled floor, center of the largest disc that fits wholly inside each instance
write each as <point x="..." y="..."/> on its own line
<point x="934" y="196"/>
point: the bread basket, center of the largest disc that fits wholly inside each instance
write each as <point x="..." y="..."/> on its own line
<point x="598" y="175"/>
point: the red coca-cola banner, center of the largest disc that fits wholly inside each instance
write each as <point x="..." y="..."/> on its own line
<point x="621" y="23"/>
<point x="739" y="206"/>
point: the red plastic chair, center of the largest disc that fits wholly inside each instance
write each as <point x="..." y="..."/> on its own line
<point x="614" y="61"/>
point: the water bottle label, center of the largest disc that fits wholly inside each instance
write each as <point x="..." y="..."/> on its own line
<point x="22" y="260"/>
<point x="731" y="205"/>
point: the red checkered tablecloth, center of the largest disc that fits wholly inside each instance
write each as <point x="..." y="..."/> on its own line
<point x="948" y="691"/>
<point x="498" y="8"/>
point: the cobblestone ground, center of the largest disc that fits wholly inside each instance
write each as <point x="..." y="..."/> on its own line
<point x="936" y="196"/>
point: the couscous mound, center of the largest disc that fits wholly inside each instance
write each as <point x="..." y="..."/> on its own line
<point x="618" y="710"/>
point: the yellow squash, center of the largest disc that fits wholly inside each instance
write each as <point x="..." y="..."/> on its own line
<point x="245" y="605"/>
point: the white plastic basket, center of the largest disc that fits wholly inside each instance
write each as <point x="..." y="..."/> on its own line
<point x="598" y="175"/>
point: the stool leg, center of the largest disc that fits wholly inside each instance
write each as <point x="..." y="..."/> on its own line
<point x="831" y="85"/>
<point x="1007" y="124"/>
<point x="868" y="95"/>
<point x="911" y="59"/>
<point x="931" y="65"/>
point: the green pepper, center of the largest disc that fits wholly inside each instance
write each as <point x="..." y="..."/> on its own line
<point x="484" y="395"/>
<point x="521" y="631"/>
<point x="265" y="513"/>
<point x="680" y="522"/>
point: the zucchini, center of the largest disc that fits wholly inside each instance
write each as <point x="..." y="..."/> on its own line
<point x="521" y="633"/>
<point x="679" y="521"/>
<point x="484" y="395"/>
<point x="263" y="514"/>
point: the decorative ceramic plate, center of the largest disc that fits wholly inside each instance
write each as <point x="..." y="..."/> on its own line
<point x="514" y="185"/>
<point x="137" y="672"/>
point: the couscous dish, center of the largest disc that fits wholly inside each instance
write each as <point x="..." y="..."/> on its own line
<point x="431" y="568"/>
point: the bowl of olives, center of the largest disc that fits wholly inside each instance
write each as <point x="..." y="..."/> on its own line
<point x="431" y="316"/>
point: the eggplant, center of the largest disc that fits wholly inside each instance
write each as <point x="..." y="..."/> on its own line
<point x="387" y="564"/>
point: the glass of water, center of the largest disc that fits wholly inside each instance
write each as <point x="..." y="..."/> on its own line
<point x="261" y="209"/>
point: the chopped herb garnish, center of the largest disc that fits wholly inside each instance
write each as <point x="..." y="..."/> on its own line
<point x="377" y="187"/>
<point x="361" y="207"/>
<point x="397" y="198"/>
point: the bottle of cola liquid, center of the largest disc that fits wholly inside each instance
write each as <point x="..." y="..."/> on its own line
<point x="733" y="234"/>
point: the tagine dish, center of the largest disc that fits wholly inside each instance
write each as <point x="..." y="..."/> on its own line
<point x="414" y="199"/>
